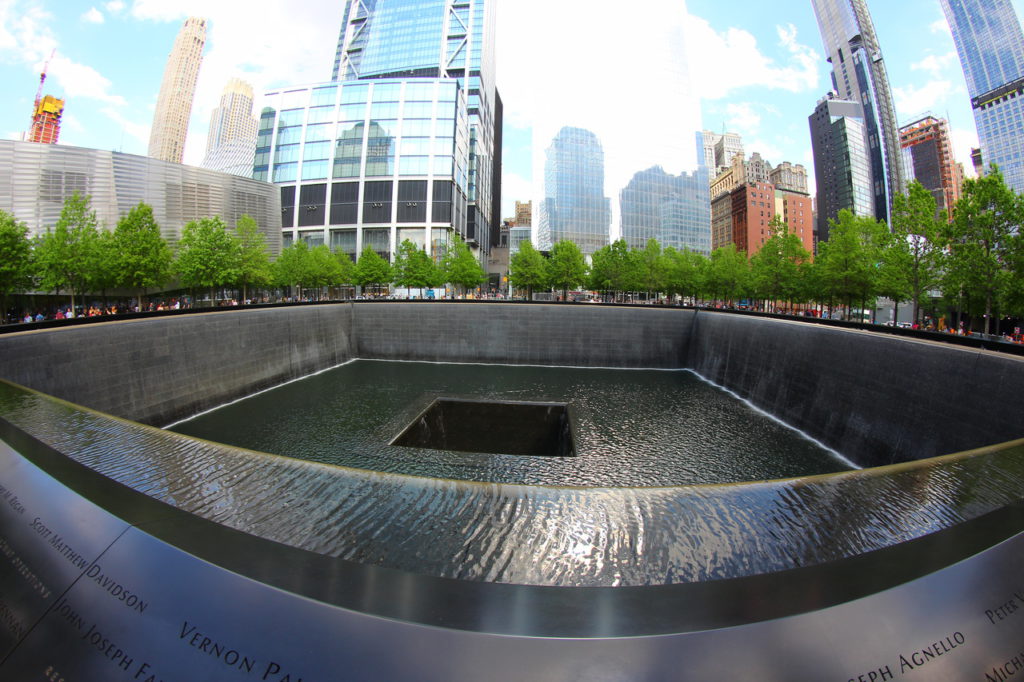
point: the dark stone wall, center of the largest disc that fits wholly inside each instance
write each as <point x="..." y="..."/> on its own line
<point x="577" y="335"/>
<point x="875" y="398"/>
<point x="162" y="369"/>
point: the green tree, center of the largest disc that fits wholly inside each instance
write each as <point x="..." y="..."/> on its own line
<point x="654" y="267"/>
<point x="912" y="258"/>
<point x="775" y="268"/>
<point x="982" y="241"/>
<point x="461" y="267"/>
<point x="686" y="272"/>
<point x="526" y="269"/>
<point x="141" y="255"/>
<point x="105" y="272"/>
<point x="323" y="270"/>
<point x="347" y="267"/>
<point x="847" y="264"/>
<point x="254" y="269"/>
<point x="15" y="260"/>
<point x="371" y="269"/>
<point x="292" y="267"/>
<point x="413" y="268"/>
<point x="66" y="255"/>
<point x="208" y="255"/>
<point x="618" y="269"/>
<point x="728" y="274"/>
<point x="566" y="267"/>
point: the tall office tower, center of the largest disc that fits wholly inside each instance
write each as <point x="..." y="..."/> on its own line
<point x="574" y="205"/>
<point x="719" y="150"/>
<point x="928" y="150"/>
<point x="842" y="163"/>
<point x="437" y="39"/>
<point x="859" y="75"/>
<point x="990" y="44"/>
<point x="231" y="140"/>
<point x="674" y="209"/>
<point x="174" y="103"/>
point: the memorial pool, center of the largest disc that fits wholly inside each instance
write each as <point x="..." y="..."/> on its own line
<point x="633" y="428"/>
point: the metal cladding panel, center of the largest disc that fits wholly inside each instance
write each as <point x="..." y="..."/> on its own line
<point x="40" y="177"/>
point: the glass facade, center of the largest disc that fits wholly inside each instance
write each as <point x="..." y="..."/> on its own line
<point x="674" y="209"/>
<point x="574" y="205"/>
<point x="990" y="45"/>
<point x="368" y="163"/>
<point x="842" y="161"/>
<point x="441" y="39"/>
<point x="859" y="75"/>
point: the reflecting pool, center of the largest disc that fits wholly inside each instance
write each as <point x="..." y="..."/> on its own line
<point x="631" y="427"/>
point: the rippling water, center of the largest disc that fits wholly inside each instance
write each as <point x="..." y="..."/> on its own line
<point x="634" y="427"/>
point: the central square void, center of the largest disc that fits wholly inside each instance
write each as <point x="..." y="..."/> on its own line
<point x="492" y="426"/>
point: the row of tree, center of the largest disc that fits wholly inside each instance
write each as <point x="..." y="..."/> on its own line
<point x="77" y="256"/>
<point x="975" y="261"/>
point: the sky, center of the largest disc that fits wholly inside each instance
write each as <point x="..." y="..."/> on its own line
<point x="643" y="81"/>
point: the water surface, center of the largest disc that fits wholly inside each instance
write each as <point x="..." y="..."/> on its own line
<point x="633" y="427"/>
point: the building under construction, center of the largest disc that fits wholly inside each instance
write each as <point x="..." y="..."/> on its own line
<point x="46" y="114"/>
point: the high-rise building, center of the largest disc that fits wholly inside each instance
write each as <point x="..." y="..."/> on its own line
<point x="368" y="163"/>
<point x="929" y="154"/>
<point x="231" y="140"/>
<point x="46" y="120"/>
<point x="859" y="75"/>
<point x="719" y="150"/>
<point x="842" y="164"/>
<point x="673" y="209"/>
<point x="437" y="39"/>
<point x="990" y="44"/>
<point x="574" y="206"/>
<point x="174" y="103"/>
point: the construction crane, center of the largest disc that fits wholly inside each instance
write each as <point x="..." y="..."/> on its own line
<point x="46" y="112"/>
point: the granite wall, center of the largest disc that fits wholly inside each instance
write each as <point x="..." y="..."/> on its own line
<point x="158" y="370"/>
<point x="878" y="399"/>
<point x="875" y="398"/>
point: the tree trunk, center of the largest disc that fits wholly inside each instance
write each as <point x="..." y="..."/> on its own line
<point x="988" y="311"/>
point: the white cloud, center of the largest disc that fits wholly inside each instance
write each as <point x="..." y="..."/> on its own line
<point x="939" y="26"/>
<point x="913" y="100"/>
<point x="733" y="60"/>
<point x="70" y="122"/>
<point x="299" y="49"/>
<point x="93" y="16"/>
<point x="114" y="6"/>
<point x="937" y="66"/>
<point x="589" y="78"/>
<point x="79" y="80"/>
<point x="743" y="117"/>
<point x="963" y="140"/>
<point x="514" y="187"/>
<point x="26" y="38"/>
<point x="139" y="131"/>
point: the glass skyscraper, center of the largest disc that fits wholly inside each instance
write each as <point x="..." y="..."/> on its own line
<point x="674" y="209"/>
<point x="859" y="75"/>
<point x="842" y="170"/>
<point x="574" y="206"/>
<point x="990" y="44"/>
<point x="445" y="39"/>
